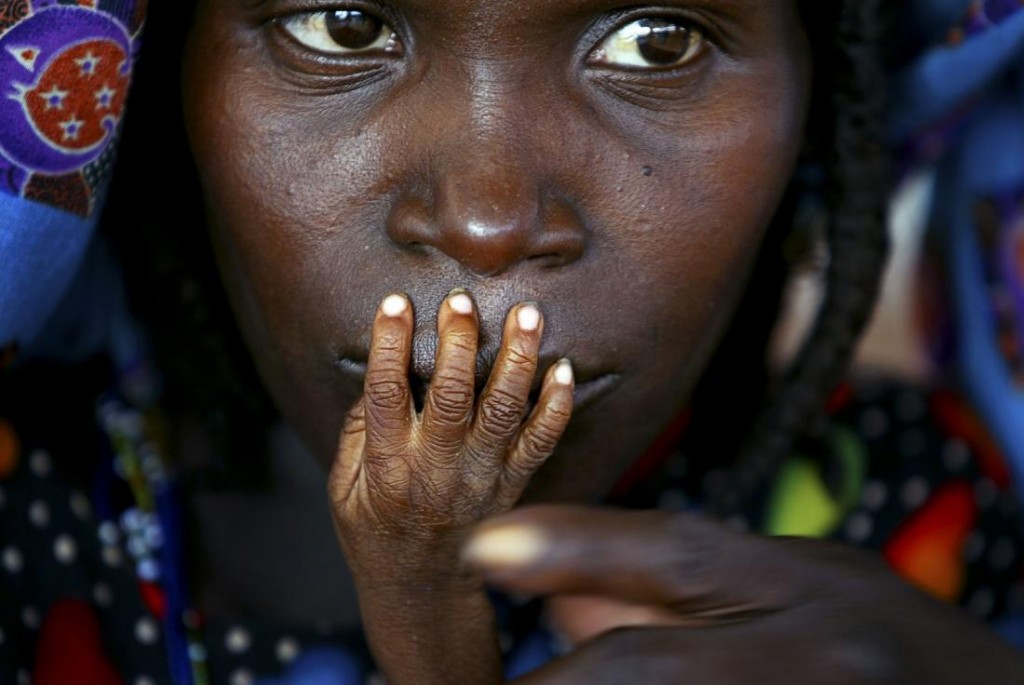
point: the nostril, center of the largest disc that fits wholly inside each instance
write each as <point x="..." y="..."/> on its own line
<point x="548" y="260"/>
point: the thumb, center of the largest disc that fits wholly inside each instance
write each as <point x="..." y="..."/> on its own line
<point x="694" y="566"/>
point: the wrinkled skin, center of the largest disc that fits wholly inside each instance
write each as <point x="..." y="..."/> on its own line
<point x="494" y="147"/>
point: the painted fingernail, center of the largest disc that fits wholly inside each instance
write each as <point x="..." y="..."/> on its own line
<point x="528" y="317"/>
<point x="460" y="302"/>
<point x="394" y="305"/>
<point x="563" y="372"/>
<point x="506" y="547"/>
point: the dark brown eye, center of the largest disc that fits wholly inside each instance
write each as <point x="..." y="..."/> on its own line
<point x="353" y="30"/>
<point x="652" y="42"/>
<point x="341" y="32"/>
<point x="664" y="42"/>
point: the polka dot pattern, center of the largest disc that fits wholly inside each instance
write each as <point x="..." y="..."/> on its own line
<point x="146" y="631"/>
<point x="287" y="649"/>
<point x="13" y="559"/>
<point x="39" y="514"/>
<point x="54" y="542"/>
<point x="65" y="549"/>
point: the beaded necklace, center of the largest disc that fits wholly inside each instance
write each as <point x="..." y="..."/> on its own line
<point x="152" y="527"/>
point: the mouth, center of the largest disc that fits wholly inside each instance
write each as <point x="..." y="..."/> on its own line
<point x="590" y="388"/>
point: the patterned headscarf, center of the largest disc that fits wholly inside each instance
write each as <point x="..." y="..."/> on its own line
<point x="65" y="68"/>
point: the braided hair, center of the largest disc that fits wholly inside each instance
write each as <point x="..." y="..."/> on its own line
<point x="846" y="141"/>
<point x="174" y="282"/>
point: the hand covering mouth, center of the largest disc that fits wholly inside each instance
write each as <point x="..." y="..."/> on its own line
<point x="591" y="383"/>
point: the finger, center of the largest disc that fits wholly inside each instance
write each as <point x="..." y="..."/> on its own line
<point x="581" y="618"/>
<point x="543" y="429"/>
<point x="503" y="401"/>
<point x="348" y="460"/>
<point x="386" y="394"/>
<point x="691" y="564"/>
<point x="448" y="406"/>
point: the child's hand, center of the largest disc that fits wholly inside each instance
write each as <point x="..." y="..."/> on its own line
<point x="405" y="488"/>
<point x="655" y="597"/>
<point x="410" y="479"/>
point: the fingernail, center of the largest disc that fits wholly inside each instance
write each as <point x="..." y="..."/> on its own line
<point x="563" y="372"/>
<point x="528" y="317"/>
<point x="506" y="547"/>
<point x="460" y="302"/>
<point x="394" y="305"/>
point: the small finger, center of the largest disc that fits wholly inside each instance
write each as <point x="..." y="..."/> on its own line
<point x="348" y="460"/>
<point x="543" y="429"/>
<point x="448" y="406"/>
<point x="697" y="566"/>
<point x="502" y="403"/>
<point x="386" y="393"/>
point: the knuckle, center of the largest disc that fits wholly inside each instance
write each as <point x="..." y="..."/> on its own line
<point x="441" y="444"/>
<point x="386" y="456"/>
<point x="386" y="393"/>
<point x="690" y="570"/>
<point x="520" y="358"/>
<point x="540" y="440"/>
<point x="501" y="412"/>
<point x="389" y="343"/>
<point x="451" y="399"/>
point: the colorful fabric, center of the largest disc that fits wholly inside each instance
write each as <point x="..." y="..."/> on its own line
<point x="65" y="69"/>
<point x="908" y="473"/>
<point x="912" y="474"/>
<point x="959" y="107"/>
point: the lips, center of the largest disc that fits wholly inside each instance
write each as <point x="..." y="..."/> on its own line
<point x="591" y="384"/>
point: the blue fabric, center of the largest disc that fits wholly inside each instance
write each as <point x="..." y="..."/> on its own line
<point x="93" y="317"/>
<point x="41" y="249"/>
<point x="65" y="71"/>
<point x="947" y="77"/>
<point x="960" y="106"/>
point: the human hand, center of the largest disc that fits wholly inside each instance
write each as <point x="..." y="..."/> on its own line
<point x="406" y="487"/>
<point x="654" y="597"/>
<point x="412" y="482"/>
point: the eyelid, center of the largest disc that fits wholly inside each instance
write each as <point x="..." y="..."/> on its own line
<point x="275" y="10"/>
<point x="630" y="41"/>
<point x="714" y="36"/>
<point x="387" y="43"/>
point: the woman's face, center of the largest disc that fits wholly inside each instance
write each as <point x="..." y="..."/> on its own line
<point x="617" y="164"/>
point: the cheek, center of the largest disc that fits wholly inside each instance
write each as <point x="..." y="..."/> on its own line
<point x="277" y="199"/>
<point x="675" y="207"/>
<point x="693" y="210"/>
<point x="288" y="209"/>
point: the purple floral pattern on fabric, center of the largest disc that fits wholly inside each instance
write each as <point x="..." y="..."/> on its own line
<point x="65" y="70"/>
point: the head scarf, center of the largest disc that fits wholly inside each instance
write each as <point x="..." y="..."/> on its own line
<point x="959" y="106"/>
<point x="65" y="70"/>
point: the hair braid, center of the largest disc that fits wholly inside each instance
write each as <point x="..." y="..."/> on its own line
<point x="856" y="192"/>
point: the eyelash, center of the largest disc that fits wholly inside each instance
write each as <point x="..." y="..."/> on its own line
<point x="652" y="15"/>
<point x="705" y="35"/>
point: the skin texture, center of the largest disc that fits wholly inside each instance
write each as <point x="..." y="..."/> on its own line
<point x="491" y="156"/>
<point x="494" y="150"/>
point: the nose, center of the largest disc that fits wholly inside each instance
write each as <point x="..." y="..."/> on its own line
<point x="490" y="212"/>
